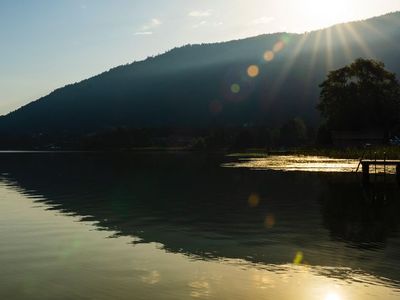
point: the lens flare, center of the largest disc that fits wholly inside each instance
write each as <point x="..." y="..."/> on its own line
<point x="285" y="38"/>
<point x="151" y="278"/>
<point x="269" y="56"/>
<point x="200" y="289"/>
<point x="254" y="200"/>
<point x="216" y="107"/>
<point x="235" y="88"/>
<point x="253" y="71"/>
<point x="298" y="258"/>
<point x="269" y="221"/>
<point x="279" y="46"/>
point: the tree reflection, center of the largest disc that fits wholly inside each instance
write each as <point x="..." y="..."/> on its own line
<point x="363" y="216"/>
<point x="190" y="205"/>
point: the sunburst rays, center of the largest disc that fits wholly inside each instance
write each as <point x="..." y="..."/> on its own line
<point x="287" y="67"/>
<point x="344" y="42"/>
<point x="328" y="49"/>
<point x="359" y="40"/>
<point x="315" y="53"/>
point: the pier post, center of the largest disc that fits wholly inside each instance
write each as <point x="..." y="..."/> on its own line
<point x="365" y="173"/>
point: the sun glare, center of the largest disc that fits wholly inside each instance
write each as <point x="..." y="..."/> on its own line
<point x="332" y="296"/>
<point x="323" y="13"/>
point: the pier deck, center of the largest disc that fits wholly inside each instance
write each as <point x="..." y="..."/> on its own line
<point x="366" y="163"/>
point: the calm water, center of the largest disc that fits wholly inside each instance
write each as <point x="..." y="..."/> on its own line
<point x="182" y="226"/>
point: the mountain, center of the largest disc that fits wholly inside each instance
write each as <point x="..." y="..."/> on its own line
<point x="201" y="86"/>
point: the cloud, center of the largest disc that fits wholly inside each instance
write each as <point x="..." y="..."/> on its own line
<point x="200" y="13"/>
<point x="144" y="33"/>
<point x="200" y="24"/>
<point x="147" y="29"/>
<point x="208" y="24"/>
<point x="262" y="20"/>
<point x="152" y="24"/>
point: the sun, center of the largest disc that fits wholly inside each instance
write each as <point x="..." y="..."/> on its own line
<point x="324" y="13"/>
<point x="332" y="296"/>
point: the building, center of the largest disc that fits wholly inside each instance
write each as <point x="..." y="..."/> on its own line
<point x="358" y="138"/>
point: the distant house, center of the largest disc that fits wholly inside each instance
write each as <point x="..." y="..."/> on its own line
<point x="358" y="138"/>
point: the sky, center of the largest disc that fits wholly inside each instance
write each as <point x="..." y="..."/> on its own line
<point x="46" y="44"/>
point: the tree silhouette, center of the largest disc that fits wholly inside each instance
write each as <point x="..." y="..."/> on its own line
<point x="361" y="96"/>
<point x="293" y="132"/>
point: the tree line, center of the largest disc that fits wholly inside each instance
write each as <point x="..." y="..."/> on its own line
<point x="361" y="96"/>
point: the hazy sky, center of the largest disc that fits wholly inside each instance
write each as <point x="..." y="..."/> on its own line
<point x="45" y="44"/>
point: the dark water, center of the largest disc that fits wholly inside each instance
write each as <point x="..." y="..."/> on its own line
<point x="179" y="226"/>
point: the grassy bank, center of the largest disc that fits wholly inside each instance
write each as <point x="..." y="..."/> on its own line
<point x="379" y="152"/>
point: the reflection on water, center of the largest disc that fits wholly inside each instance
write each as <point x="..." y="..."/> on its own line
<point x="184" y="227"/>
<point x="304" y="164"/>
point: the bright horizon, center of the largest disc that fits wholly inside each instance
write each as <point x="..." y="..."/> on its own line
<point x="48" y="44"/>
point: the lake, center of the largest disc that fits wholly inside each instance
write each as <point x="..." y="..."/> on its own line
<point x="194" y="226"/>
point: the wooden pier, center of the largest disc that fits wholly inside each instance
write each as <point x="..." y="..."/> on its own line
<point x="366" y="163"/>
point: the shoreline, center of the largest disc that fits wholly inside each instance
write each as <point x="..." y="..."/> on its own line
<point x="391" y="152"/>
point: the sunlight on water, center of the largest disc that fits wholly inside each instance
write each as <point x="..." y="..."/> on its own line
<point x="135" y="234"/>
<point x="303" y="164"/>
<point x="332" y="296"/>
<point x="75" y="255"/>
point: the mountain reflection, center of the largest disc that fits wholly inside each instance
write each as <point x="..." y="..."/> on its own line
<point x="191" y="205"/>
<point x="365" y="217"/>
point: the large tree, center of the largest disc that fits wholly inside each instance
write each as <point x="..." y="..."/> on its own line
<point x="361" y="96"/>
